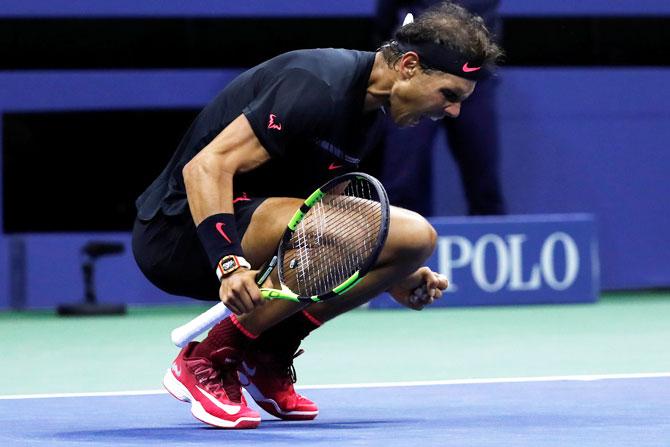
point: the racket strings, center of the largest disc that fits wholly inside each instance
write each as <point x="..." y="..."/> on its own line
<point x="344" y="258"/>
<point x="365" y="234"/>
<point x="334" y="239"/>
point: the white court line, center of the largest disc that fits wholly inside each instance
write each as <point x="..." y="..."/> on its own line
<point x="577" y="378"/>
<point x="93" y="394"/>
<point x="580" y="378"/>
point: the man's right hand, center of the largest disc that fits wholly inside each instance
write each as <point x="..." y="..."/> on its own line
<point x="239" y="291"/>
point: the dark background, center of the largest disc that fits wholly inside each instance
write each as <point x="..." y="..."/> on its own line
<point x="81" y="171"/>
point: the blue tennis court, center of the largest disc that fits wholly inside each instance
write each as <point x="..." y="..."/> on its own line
<point x="503" y="376"/>
<point x="632" y="411"/>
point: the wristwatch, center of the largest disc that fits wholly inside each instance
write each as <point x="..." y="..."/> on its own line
<point x="230" y="263"/>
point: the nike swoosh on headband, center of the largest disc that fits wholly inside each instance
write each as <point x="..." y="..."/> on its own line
<point x="468" y="69"/>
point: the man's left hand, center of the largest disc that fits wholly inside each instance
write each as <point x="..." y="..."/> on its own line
<point x="419" y="289"/>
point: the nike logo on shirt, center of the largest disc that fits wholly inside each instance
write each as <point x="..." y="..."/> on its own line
<point x="242" y="198"/>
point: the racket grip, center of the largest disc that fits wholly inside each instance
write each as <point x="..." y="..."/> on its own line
<point x="265" y="271"/>
<point x="182" y="335"/>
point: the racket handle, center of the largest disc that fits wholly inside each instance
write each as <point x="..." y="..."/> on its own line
<point x="265" y="271"/>
<point x="182" y="335"/>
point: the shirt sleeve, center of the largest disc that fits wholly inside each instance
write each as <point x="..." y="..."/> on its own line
<point x="295" y="105"/>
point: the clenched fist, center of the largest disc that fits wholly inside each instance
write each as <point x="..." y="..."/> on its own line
<point x="419" y="289"/>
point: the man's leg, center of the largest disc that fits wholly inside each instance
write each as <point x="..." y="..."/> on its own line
<point x="265" y="357"/>
<point x="168" y="252"/>
<point x="267" y="371"/>
<point x="411" y="240"/>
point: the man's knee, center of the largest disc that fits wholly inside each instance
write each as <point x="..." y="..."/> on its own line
<point x="411" y="237"/>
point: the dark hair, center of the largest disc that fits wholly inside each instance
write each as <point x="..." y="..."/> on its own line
<point x="451" y="25"/>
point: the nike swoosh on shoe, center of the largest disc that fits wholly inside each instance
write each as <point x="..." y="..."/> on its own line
<point x="230" y="409"/>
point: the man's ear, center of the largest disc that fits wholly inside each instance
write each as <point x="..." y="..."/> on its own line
<point x="409" y="64"/>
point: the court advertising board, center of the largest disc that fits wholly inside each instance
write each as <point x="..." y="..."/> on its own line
<point x="530" y="259"/>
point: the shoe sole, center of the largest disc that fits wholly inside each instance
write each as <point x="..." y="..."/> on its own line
<point x="272" y="407"/>
<point x="180" y="392"/>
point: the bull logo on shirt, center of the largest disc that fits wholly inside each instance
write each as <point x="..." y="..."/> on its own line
<point x="272" y="124"/>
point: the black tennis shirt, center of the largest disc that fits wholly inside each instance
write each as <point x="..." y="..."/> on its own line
<point x="306" y="109"/>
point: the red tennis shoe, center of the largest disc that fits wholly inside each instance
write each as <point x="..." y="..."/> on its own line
<point x="269" y="379"/>
<point x="214" y="391"/>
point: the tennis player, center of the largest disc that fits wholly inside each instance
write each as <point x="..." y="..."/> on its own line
<point x="247" y="162"/>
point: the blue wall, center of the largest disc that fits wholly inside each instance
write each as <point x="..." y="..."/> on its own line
<point x="53" y="274"/>
<point x="4" y="273"/>
<point x="587" y="140"/>
<point x="302" y="8"/>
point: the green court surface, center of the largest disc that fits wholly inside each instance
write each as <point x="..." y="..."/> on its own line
<point x="623" y="333"/>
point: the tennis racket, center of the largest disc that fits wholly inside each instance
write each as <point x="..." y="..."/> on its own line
<point x="329" y="245"/>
